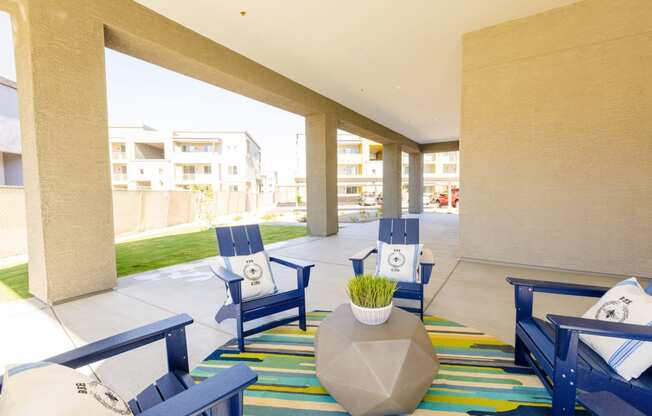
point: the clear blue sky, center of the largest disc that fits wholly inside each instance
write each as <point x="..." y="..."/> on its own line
<point x="139" y="92"/>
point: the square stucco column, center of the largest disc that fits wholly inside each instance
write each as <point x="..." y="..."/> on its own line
<point x="415" y="183"/>
<point x="321" y="174"/>
<point x="391" y="180"/>
<point x="63" y="116"/>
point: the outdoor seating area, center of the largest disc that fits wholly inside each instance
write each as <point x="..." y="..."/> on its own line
<point x="254" y="208"/>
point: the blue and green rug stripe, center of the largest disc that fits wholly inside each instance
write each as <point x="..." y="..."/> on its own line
<point x="476" y="377"/>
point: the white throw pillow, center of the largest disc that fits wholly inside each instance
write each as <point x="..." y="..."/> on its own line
<point x="55" y="390"/>
<point x="628" y="303"/>
<point x="257" y="273"/>
<point x="399" y="261"/>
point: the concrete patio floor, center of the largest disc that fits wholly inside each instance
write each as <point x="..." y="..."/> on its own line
<point x="471" y="293"/>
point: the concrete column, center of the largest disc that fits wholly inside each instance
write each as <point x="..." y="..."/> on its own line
<point x="415" y="183"/>
<point x="321" y="174"/>
<point x="63" y="115"/>
<point x="391" y="181"/>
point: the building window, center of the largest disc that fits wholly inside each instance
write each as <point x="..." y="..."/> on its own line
<point x="348" y="170"/>
<point x="450" y="168"/>
<point x="430" y="168"/>
<point x="207" y="170"/>
<point x="406" y="170"/>
<point x="188" y="169"/>
<point x="233" y="188"/>
<point x="233" y="170"/>
<point x="196" y="147"/>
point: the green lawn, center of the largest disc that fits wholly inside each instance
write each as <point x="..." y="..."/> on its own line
<point x="152" y="253"/>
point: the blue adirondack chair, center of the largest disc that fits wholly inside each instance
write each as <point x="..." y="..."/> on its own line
<point x="400" y="231"/>
<point x="175" y="393"/>
<point x="603" y="403"/>
<point x="562" y="361"/>
<point x="243" y="240"/>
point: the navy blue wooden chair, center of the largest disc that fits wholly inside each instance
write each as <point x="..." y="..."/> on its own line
<point x="175" y="393"/>
<point x="400" y="231"/>
<point x="562" y="361"/>
<point x="603" y="403"/>
<point x="242" y="240"/>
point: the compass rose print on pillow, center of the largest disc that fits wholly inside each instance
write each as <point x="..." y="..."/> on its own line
<point x="252" y="272"/>
<point x="399" y="261"/>
<point x="255" y="269"/>
<point x="627" y="303"/>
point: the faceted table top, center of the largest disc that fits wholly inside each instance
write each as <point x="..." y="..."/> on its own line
<point x="375" y="370"/>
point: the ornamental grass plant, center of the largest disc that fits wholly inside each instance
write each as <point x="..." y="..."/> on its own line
<point x="370" y="291"/>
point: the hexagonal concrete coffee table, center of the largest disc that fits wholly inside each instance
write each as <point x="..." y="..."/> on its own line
<point x="375" y="370"/>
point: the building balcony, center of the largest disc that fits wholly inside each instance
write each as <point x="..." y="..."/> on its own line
<point x="118" y="155"/>
<point x="119" y="177"/>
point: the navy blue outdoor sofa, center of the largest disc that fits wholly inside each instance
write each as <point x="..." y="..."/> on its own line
<point x="563" y="362"/>
<point x="175" y="393"/>
<point x="243" y="240"/>
<point x="400" y="231"/>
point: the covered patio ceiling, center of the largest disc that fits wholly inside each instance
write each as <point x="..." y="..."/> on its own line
<point x="394" y="62"/>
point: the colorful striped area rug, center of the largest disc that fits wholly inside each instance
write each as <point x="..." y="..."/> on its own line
<point x="476" y="377"/>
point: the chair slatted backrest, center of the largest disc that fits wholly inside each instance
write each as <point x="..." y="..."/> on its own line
<point x="399" y="230"/>
<point x="239" y="240"/>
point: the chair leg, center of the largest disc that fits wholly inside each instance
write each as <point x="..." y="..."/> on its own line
<point x="563" y="402"/>
<point x="236" y="405"/>
<point x="302" y="315"/>
<point x="239" y="331"/>
<point x="421" y="304"/>
<point x="519" y="353"/>
<point x="421" y="308"/>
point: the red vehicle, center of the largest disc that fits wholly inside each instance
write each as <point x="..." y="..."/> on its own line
<point x="442" y="199"/>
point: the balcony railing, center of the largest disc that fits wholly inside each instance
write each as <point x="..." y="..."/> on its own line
<point x="189" y="176"/>
<point x="119" y="155"/>
<point x="119" y="177"/>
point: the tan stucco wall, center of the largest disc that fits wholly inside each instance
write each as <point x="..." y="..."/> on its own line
<point x="556" y="139"/>
<point x="134" y="211"/>
<point x="13" y="241"/>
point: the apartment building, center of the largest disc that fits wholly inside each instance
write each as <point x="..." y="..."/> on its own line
<point x="11" y="164"/>
<point x="144" y="158"/>
<point x="360" y="169"/>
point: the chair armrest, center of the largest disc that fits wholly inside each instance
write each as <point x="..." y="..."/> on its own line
<point x="602" y="328"/>
<point x="427" y="262"/>
<point x="426" y="257"/>
<point x="604" y="403"/>
<point x="225" y="275"/>
<point x="117" y="344"/>
<point x="363" y="254"/>
<point x="292" y="263"/>
<point x="302" y="268"/>
<point x="203" y="396"/>
<point x="559" y="288"/>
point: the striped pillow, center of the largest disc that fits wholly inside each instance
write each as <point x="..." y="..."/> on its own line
<point x="628" y="303"/>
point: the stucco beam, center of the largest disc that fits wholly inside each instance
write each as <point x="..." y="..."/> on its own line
<point x="138" y="31"/>
<point x="441" y="147"/>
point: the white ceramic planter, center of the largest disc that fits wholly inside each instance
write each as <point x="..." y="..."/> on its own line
<point x="371" y="316"/>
